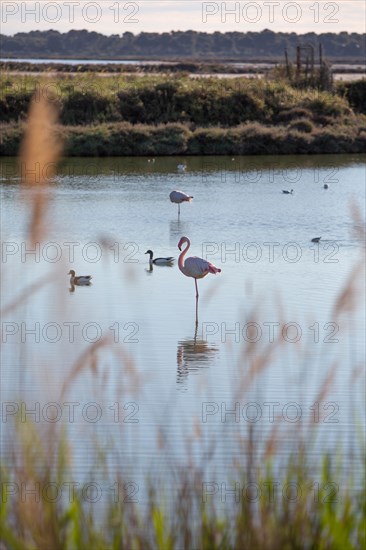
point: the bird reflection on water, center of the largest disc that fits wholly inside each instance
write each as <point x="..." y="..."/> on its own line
<point x="176" y="230"/>
<point x="193" y="355"/>
<point x="72" y="287"/>
<point x="149" y="269"/>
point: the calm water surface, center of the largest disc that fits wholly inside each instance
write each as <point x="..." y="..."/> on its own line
<point x="274" y="298"/>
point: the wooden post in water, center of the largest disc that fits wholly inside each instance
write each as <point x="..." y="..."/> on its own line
<point x="312" y="59"/>
<point x="287" y="65"/>
<point x="298" y="62"/>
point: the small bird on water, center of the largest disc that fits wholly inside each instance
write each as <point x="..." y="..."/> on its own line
<point x="159" y="261"/>
<point x="315" y="239"/>
<point x="287" y="192"/>
<point x="81" y="280"/>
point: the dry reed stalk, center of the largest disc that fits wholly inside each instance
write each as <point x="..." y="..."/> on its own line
<point x="40" y="151"/>
<point x="272" y="443"/>
<point x="349" y="297"/>
<point x="86" y="360"/>
<point x="327" y="384"/>
<point x="359" y="228"/>
<point x="28" y="291"/>
<point x="259" y="360"/>
<point x="129" y="368"/>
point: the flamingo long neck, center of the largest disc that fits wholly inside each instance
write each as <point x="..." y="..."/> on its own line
<point x="181" y="256"/>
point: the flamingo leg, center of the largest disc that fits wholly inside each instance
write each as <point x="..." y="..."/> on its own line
<point x="195" y="282"/>
<point x="178" y="210"/>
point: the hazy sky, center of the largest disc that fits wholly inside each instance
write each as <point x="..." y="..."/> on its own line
<point x="117" y="17"/>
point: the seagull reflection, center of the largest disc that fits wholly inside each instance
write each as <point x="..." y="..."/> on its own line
<point x="193" y="355"/>
<point x="177" y="229"/>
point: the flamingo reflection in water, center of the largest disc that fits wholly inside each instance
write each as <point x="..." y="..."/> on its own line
<point x="193" y="355"/>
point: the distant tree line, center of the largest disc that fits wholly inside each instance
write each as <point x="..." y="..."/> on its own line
<point x="192" y="45"/>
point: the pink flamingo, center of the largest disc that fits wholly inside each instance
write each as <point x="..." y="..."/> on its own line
<point x="194" y="267"/>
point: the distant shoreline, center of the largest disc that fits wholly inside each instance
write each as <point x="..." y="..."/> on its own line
<point x="271" y="60"/>
<point x="99" y="65"/>
<point x="185" y="46"/>
<point x="341" y="72"/>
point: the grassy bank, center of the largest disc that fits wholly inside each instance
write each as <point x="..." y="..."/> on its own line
<point x="155" y="115"/>
<point x="125" y="139"/>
